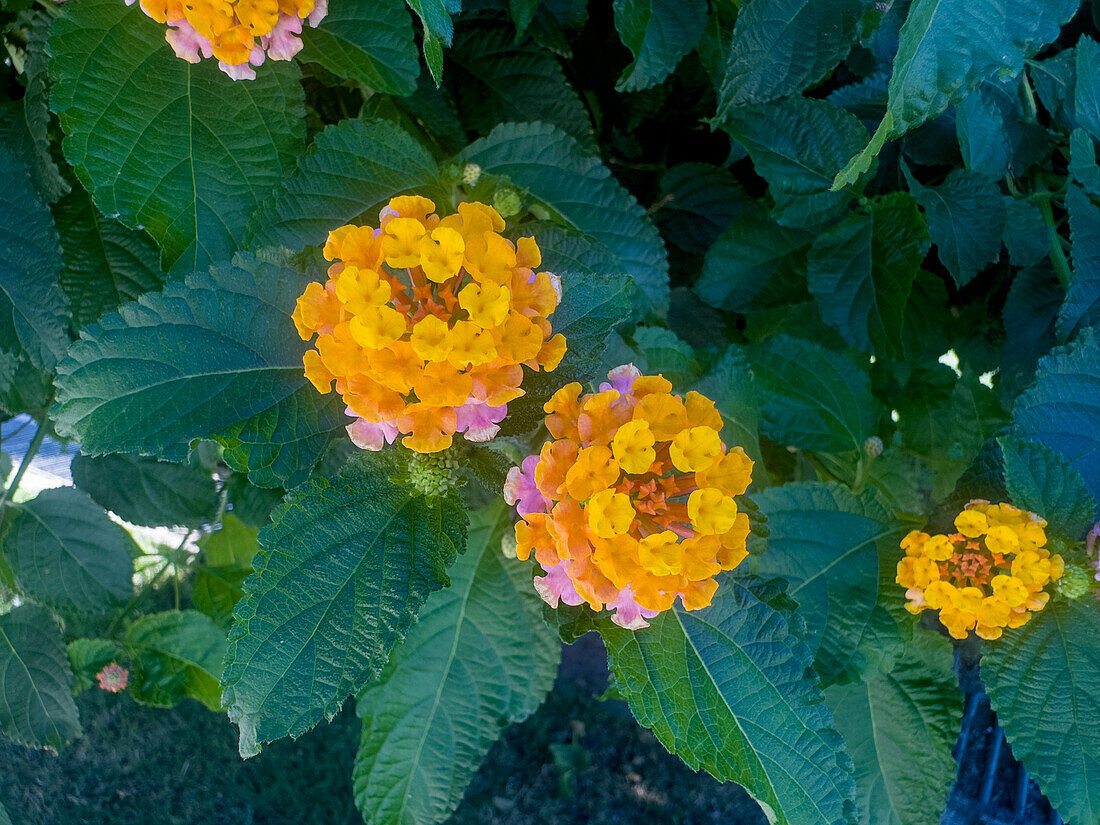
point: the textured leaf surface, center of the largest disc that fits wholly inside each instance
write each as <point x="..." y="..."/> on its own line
<point x="1042" y="481"/>
<point x="218" y="147"/>
<point x="174" y="655"/>
<point x="1043" y="681"/>
<point x="700" y="202"/>
<point x="65" y="551"/>
<point x="341" y="574"/>
<point x="725" y="689"/>
<point x="547" y="163"/>
<point x="479" y="656"/>
<point x="1082" y="305"/>
<point x="658" y="33"/>
<point x="146" y="491"/>
<point x="36" y="703"/>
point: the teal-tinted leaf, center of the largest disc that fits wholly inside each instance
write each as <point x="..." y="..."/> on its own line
<point x="352" y="168"/>
<point x="341" y="574"/>
<point x="218" y="146"/>
<point x="251" y="504"/>
<point x="782" y="46"/>
<point x="479" y="656"/>
<point x="1082" y="305"/>
<point x="900" y="727"/>
<point x="32" y="306"/>
<point x="436" y="17"/>
<point x="1083" y="167"/>
<point x="798" y="145"/>
<point x="861" y="164"/>
<point x="824" y="540"/>
<point x="966" y="215"/>
<point x="215" y="592"/>
<point x="4" y="818"/>
<point x="756" y="262"/>
<point x="368" y="41"/>
<point x="146" y="491"/>
<point x="730" y="386"/>
<point x="1025" y="233"/>
<point x="496" y="80"/>
<point x="65" y="551"/>
<point x="174" y="655"/>
<point x="862" y="269"/>
<point x="994" y="137"/>
<point x="1040" y="480"/>
<point x="203" y="355"/>
<point x="725" y="689"/>
<point x="814" y="398"/>
<point x="903" y="480"/>
<point x="1043" y="681"/>
<point x="88" y="657"/>
<point x="523" y="12"/>
<point x="1062" y="409"/>
<point x="591" y="306"/>
<point x="1054" y="81"/>
<point x="662" y="352"/>
<point x="36" y="702"/>
<point x="1086" y="87"/>
<point x="658" y="33"/>
<point x="698" y="203"/>
<point x="547" y="163"/>
<point x="1030" y="311"/>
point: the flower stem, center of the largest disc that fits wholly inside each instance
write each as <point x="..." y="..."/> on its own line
<point x="25" y="464"/>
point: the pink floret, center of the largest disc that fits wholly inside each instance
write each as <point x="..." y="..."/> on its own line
<point x="556" y="585"/>
<point x="621" y="379"/>
<point x="478" y="421"/>
<point x="370" y="436"/>
<point x="282" y="43"/>
<point x="320" y="9"/>
<point x="521" y="490"/>
<point x="187" y="43"/>
<point x="628" y="613"/>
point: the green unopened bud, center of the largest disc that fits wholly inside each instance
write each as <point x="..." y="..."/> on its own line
<point x="1074" y="582"/>
<point x="873" y="447"/>
<point x="432" y="474"/>
<point x="507" y="201"/>
<point x="539" y="211"/>
<point x="471" y="173"/>
<point x="451" y="170"/>
<point x="508" y="544"/>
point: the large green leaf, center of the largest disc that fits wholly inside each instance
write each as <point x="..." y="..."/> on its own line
<point x="36" y="702"/>
<point x="202" y="356"/>
<point x="368" y="41"/>
<point x="825" y="541"/>
<point x="1082" y="305"/>
<point x="218" y="146"/>
<point x="341" y="574"/>
<point x="174" y="655"/>
<point x="1086" y="86"/>
<point x="658" y="33"/>
<point x="1042" y="481"/>
<point x="862" y="269"/>
<point x="546" y="162"/>
<point x="698" y="203"/>
<point x="478" y="656"/>
<point x="780" y="47"/>
<point x="900" y="727"/>
<point x="146" y="491"/>
<point x="351" y="169"/>
<point x="726" y="689"/>
<point x="65" y="551"/>
<point x="32" y="306"/>
<point x="106" y="264"/>
<point x="1043" y="681"/>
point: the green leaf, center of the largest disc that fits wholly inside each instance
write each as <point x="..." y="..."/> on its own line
<point x="782" y="46"/>
<point x="231" y="545"/>
<point x="351" y="169"/>
<point x="862" y="270"/>
<point x="88" y="657"/>
<point x="547" y="163"/>
<point x="1025" y="234"/>
<point x="32" y="306"/>
<point x="106" y="264"/>
<point x="1083" y="167"/>
<point x="900" y="728"/>
<point x="145" y="491"/>
<point x="729" y="384"/>
<point x="698" y="203"/>
<point x="36" y="702"/>
<point x="436" y="17"/>
<point x="861" y="163"/>
<point x="798" y="145"/>
<point x="1086" y="87"/>
<point x="658" y="33"/>
<point x="1062" y="409"/>
<point x="825" y="541"/>
<point x="814" y="398"/>
<point x="966" y="215"/>
<point x="1082" y="305"/>
<point x="65" y="551"/>
<point x="215" y="592"/>
<point x="756" y="262"/>
<point x="1042" y="481"/>
<point x="725" y="689"/>
<point x="479" y="656"/>
<point x="523" y="12"/>
<point x="368" y="41"/>
<point x="218" y="146"/>
<point x="201" y="356"/>
<point x="174" y="655"/>
<point x="661" y="351"/>
<point x="341" y="574"/>
<point x="494" y="80"/>
<point x="1043" y="681"/>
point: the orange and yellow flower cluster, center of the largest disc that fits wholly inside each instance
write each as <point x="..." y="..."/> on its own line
<point x="986" y="576"/>
<point x="426" y="322"/>
<point x="632" y="504"/>
<point x="239" y="33"/>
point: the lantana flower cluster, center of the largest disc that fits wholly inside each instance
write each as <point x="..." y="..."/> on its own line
<point x="241" y="34"/>
<point x="631" y="505"/>
<point x="988" y="575"/>
<point x="426" y="322"/>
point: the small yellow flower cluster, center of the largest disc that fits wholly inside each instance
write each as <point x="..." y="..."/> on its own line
<point x="425" y="323"/>
<point x="239" y="33"/>
<point x="632" y="504"/>
<point x="987" y="576"/>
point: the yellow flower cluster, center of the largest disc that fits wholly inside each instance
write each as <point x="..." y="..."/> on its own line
<point x="632" y="504"/>
<point x="987" y="576"/>
<point x="239" y="33"/>
<point x="425" y="323"/>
